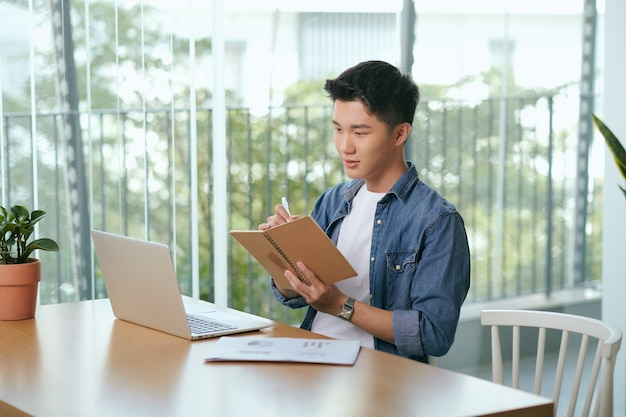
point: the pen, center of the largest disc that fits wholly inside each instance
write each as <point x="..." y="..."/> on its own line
<point x="286" y="205"/>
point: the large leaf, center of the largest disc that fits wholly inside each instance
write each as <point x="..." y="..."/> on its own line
<point x="616" y="148"/>
<point x="41" y="244"/>
<point x="37" y="215"/>
<point x="21" y="214"/>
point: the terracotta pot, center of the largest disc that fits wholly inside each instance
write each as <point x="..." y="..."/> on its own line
<point x="18" y="290"/>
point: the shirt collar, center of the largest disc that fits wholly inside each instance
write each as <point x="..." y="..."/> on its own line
<point x="400" y="189"/>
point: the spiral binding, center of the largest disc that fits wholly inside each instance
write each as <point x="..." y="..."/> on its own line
<point x="293" y="266"/>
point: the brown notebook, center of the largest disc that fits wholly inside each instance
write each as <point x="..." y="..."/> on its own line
<point x="280" y="247"/>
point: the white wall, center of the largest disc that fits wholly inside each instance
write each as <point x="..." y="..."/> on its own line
<point x="614" y="225"/>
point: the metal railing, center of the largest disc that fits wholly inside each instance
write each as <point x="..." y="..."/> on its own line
<point x="512" y="185"/>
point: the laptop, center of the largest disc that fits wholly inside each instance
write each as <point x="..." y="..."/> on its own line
<point x="143" y="289"/>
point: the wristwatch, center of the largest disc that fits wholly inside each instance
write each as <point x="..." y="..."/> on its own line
<point x="347" y="309"/>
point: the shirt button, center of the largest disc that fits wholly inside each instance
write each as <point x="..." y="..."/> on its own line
<point x="372" y="259"/>
<point x="398" y="267"/>
<point x="379" y="221"/>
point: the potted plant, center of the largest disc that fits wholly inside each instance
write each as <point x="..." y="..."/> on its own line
<point x="19" y="273"/>
<point x="619" y="154"/>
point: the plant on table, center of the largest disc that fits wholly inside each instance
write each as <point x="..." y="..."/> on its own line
<point x="16" y="228"/>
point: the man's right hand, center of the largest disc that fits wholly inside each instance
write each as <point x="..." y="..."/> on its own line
<point x="280" y="216"/>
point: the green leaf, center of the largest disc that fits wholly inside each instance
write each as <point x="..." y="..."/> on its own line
<point x="20" y="213"/>
<point x="41" y="244"/>
<point x="3" y="215"/>
<point x="619" y="154"/>
<point x="37" y="215"/>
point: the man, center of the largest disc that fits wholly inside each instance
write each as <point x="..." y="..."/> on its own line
<point x="406" y="242"/>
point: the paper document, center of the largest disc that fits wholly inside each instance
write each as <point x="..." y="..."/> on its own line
<point x="285" y="349"/>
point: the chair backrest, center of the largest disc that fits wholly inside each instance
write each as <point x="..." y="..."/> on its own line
<point x="598" y="382"/>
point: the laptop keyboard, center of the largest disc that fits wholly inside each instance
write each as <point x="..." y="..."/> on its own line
<point x="203" y="325"/>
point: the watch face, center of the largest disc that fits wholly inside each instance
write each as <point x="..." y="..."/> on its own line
<point x="347" y="309"/>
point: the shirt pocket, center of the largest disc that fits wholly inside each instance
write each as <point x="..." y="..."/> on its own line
<point x="401" y="267"/>
<point x="401" y="261"/>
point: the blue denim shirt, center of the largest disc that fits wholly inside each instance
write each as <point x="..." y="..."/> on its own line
<point x="420" y="263"/>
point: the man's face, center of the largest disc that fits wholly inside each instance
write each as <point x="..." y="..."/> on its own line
<point x="366" y="146"/>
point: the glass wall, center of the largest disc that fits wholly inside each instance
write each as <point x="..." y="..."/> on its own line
<point x="109" y="118"/>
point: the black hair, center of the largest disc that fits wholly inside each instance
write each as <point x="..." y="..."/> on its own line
<point x="384" y="90"/>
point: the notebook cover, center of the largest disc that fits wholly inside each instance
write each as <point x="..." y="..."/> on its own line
<point x="299" y="240"/>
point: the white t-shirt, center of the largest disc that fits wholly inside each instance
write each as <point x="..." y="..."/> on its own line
<point x="355" y="241"/>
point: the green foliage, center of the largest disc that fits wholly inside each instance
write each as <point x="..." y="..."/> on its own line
<point x="616" y="148"/>
<point x="306" y="92"/>
<point x="16" y="227"/>
<point x="130" y="64"/>
<point x="457" y="145"/>
<point x="141" y="160"/>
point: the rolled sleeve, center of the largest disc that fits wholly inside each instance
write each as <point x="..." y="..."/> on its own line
<point x="406" y="332"/>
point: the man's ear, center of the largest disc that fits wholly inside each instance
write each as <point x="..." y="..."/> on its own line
<point x="401" y="133"/>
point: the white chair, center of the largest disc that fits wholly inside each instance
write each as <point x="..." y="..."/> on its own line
<point x="599" y="384"/>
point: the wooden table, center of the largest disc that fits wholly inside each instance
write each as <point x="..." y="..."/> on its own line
<point x="76" y="359"/>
